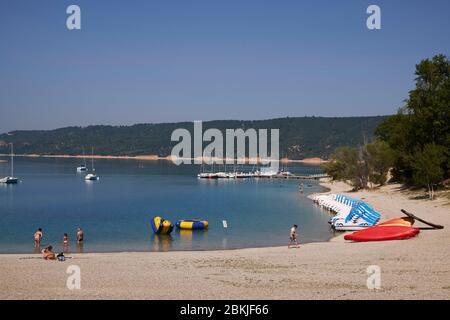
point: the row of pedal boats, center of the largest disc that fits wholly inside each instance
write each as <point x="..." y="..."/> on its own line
<point x="355" y="215"/>
<point x="350" y="214"/>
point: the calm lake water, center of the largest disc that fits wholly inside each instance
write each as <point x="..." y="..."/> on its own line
<point x="115" y="212"/>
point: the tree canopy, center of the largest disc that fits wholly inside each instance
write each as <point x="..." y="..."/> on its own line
<point x="419" y="133"/>
<point x="415" y="142"/>
<point x="300" y="137"/>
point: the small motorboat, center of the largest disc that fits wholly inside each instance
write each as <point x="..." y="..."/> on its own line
<point x="192" y="224"/>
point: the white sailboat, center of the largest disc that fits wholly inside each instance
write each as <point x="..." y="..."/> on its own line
<point x="11" y="179"/>
<point x="83" y="167"/>
<point x="92" y="176"/>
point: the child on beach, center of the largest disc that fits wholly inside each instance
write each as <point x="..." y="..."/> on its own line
<point x="293" y="237"/>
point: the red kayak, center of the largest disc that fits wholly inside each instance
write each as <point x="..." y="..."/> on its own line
<point x="383" y="233"/>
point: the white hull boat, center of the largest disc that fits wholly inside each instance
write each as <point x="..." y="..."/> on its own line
<point x="11" y="179"/>
<point x="91" y="177"/>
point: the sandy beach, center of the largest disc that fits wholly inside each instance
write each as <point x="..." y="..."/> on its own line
<point x="417" y="268"/>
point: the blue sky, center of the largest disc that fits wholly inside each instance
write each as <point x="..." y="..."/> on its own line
<point x="167" y="61"/>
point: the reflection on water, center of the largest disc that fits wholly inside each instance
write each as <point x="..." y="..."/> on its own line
<point x="224" y="243"/>
<point x="162" y="242"/>
<point x="80" y="247"/>
<point x="185" y="237"/>
<point x="188" y="237"/>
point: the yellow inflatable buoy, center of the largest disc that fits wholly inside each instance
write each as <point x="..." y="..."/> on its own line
<point x="192" y="224"/>
<point x="161" y="226"/>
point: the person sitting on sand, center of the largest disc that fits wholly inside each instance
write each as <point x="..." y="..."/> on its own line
<point x="80" y="235"/>
<point x="48" y="254"/>
<point x="37" y="238"/>
<point x="293" y="237"/>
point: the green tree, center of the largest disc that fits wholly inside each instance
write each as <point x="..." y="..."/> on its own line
<point x="344" y="166"/>
<point x="368" y="163"/>
<point x="427" y="166"/>
<point x="424" y="120"/>
<point x="380" y="158"/>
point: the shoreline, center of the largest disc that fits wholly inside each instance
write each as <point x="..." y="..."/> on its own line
<point x="311" y="161"/>
<point x="417" y="268"/>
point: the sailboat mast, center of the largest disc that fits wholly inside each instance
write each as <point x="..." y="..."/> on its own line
<point x="84" y="157"/>
<point x="12" y="160"/>
<point x="92" y="159"/>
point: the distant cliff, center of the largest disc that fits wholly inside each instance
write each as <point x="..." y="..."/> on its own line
<point x="300" y="137"/>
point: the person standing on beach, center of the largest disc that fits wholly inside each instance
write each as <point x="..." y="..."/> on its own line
<point x="80" y="235"/>
<point x="38" y="237"/>
<point x="293" y="239"/>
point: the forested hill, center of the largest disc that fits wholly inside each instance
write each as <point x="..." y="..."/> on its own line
<point x="300" y="137"/>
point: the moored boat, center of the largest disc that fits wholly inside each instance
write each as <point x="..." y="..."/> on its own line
<point x="92" y="176"/>
<point x="10" y="179"/>
<point x="82" y="167"/>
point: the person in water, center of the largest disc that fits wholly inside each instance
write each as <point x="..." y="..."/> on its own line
<point x="48" y="253"/>
<point x="38" y="237"/>
<point x="80" y="235"/>
<point x="65" y="242"/>
<point x="293" y="238"/>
